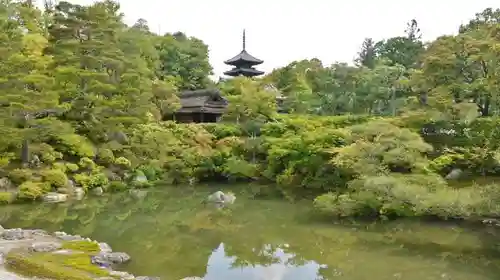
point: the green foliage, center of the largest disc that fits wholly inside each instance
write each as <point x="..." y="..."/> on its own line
<point x="6" y="197"/>
<point x="47" y="153"/>
<point x="405" y="196"/>
<point x="105" y="156"/>
<point x="32" y="190"/>
<point x="55" y="177"/>
<point x="18" y="176"/>
<point x="87" y="163"/>
<point x="72" y="167"/>
<point x="74" y="144"/>
<point x="117" y="186"/>
<point x="123" y="163"/>
<point x="90" y="181"/>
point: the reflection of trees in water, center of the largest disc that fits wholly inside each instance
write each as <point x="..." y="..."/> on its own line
<point x="173" y="237"/>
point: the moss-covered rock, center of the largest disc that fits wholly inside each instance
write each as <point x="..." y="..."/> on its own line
<point x="70" y="266"/>
<point x="82" y="246"/>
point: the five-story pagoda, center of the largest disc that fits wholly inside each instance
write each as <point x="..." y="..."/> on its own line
<point x="243" y="64"/>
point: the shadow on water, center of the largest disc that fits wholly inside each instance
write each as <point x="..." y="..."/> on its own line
<point x="173" y="235"/>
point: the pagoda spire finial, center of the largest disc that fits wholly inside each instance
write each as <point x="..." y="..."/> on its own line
<point x="244" y="40"/>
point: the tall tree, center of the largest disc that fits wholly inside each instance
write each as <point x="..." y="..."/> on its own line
<point x="367" y="56"/>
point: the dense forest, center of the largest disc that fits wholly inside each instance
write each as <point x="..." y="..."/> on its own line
<point x="83" y="96"/>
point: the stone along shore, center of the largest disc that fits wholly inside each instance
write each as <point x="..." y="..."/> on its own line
<point x="37" y="254"/>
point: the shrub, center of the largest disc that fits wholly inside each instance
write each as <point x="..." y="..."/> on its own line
<point x="55" y="177"/>
<point x="117" y="186"/>
<point x="406" y="196"/>
<point x="72" y="167"/>
<point x="123" y="163"/>
<point x="90" y="181"/>
<point x="74" y="144"/>
<point x="32" y="190"/>
<point x="87" y="163"/>
<point x="6" y="197"/>
<point x="18" y="176"/>
<point x="105" y="156"/>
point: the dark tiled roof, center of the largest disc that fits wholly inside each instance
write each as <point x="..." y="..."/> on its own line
<point x="244" y="57"/>
<point x="244" y="72"/>
<point x="205" y="100"/>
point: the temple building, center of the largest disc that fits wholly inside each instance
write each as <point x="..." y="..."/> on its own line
<point x="243" y="64"/>
<point x="199" y="106"/>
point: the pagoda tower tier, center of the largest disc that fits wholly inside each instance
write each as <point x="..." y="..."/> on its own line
<point x="243" y="63"/>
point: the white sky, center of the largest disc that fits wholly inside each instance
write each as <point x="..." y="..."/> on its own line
<point x="280" y="31"/>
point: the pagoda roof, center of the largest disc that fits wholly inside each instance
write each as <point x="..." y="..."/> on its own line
<point x="244" y="57"/>
<point x="249" y="72"/>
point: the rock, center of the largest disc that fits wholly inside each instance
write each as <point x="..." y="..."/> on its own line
<point x="98" y="191"/>
<point x="15" y="234"/>
<point x="112" y="176"/>
<point x="71" y="183"/>
<point x="147" y="278"/>
<point x="106" y="259"/>
<point x="105" y="248"/>
<point x="68" y="237"/>
<point x="45" y="246"/>
<point x="138" y="193"/>
<point x="221" y="199"/>
<point x="6" y="184"/>
<point x="78" y="193"/>
<point x="491" y="222"/>
<point x="53" y="197"/>
<point x="140" y="179"/>
<point x="192" y="278"/>
<point x="454" y="174"/>
<point x="35" y="162"/>
<point x="122" y="275"/>
<point x="1" y="230"/>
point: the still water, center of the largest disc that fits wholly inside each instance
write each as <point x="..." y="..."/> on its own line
<point x="173" y="235"/>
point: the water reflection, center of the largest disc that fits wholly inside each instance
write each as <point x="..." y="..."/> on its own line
<point x="172" y="235"/>
<point x="222" y="266"/>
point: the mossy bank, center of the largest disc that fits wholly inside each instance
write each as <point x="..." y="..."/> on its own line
<point x="60" y="256"/>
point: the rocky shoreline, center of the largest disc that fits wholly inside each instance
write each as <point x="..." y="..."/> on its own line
<point x="29" y="241"/>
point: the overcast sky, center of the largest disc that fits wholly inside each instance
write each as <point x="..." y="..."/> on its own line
<point x="280" y="31"/>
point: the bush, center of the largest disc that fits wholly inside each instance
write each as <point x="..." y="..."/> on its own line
<point x="32" y="190"/>
<point x="72" y="167"/>
<point x="55" y="177"/>
<point x="117" y="186"/>
<point x="6" y="197"/>
<point x="19" y="176"/>
<point x="90" y="181"/>
<point x="105" y="156"/>
<point x="123" y="163"/>
<point x="406" y="196"/>
<point x="87" y="164"/>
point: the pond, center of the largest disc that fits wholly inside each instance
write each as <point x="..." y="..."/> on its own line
<point x="171" y="234"/>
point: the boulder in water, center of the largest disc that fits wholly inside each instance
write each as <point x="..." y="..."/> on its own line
<point x="454" y="174"/>
<point x="54" y="197"/>
<point x="221" y="199"/>
<point x="98" y="191"/>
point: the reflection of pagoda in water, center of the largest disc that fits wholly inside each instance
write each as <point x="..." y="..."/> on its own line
<point x="243" y="63"/>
